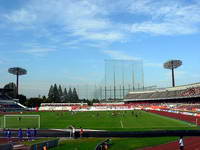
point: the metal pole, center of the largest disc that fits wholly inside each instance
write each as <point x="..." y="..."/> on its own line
<point x="120" y="94"/>
<point x="105" y="82"/>
<point x="110" y="91"/>
<point x="133" y="77"/>
<point x="101" y="93"/>
<point x="114" y="85"/>
<point x="123" y="79"/>
<point x="142" y="76"/>
<point x="95" y="92"/>
<point x="17" y="84"/>
<point x="105" y="93"/>
<point x="173" y="80"/>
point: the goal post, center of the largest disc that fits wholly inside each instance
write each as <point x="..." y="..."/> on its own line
<point x="21" y="121"/>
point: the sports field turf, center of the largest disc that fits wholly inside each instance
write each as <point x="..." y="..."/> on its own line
<point x="116" y="144"/>
<point x="107" y="120"/>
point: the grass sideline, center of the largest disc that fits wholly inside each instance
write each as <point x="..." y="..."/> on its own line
<point x="37" y="141"/>
<point x="106" y="120"/>
<point x="117" y="143"/>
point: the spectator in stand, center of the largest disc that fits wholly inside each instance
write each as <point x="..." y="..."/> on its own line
<point x="104" y="146"/>
<point x="28" y="133"/>
<point x="20" y="134"/>
<point x="8" y="134"/>
<point x="34" y="133"/>
<point x="72" y="131"/>
<point x="4" y="133"/>
<point x="81" y="132"/>
<point x="181" y="143"/>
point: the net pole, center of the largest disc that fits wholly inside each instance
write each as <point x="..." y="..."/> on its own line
<point x="101" y="95"/>
<point x="105" y="81"/>
<point x="123" y="79"/>
<point x="133" y="80"/>
<point x="114" y="85"/>
<point x="142" y="75"/>
<point x="110" y="91"/>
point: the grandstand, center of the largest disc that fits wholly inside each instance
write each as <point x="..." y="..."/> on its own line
<point x="179" y="94"/>
<point x="8" y="104"/>
<point x="185" y="98"/>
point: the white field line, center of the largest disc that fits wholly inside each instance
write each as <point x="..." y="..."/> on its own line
<point x="121" y="124"/>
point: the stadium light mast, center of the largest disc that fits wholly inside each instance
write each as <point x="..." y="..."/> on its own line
<point x="172" y="65"/>
<point x="18" y="72"/>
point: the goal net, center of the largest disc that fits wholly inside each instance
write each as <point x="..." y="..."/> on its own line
<point x="21" y="121"/>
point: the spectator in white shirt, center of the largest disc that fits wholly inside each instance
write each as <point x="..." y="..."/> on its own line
<point x="181" y="143"/>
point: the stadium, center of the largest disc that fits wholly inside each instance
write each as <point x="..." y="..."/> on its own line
<point x="141" y="117"/>
<point x="99" y="75"/>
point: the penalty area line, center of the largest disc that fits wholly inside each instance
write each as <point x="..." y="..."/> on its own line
<point x="121" y="124"/>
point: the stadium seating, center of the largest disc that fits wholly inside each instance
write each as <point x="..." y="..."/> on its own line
<point x="173" y="92"/>
<point x="8" y="104"/>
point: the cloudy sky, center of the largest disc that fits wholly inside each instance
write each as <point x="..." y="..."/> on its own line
<point x="67" y="41"/>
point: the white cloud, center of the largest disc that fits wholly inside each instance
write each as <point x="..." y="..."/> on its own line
<point x="166" y="28"/>
<point x="102" y="36"/>
<point x="21" y="16"/>
<point x="72" y="42"/>
<point x="93" y="20"/>
<point x="79" y="18"/>
<point x="167" y="17"/>
<point x="37" y="51"/>
<point x="150" y="64"/>
<point x="119" y="55"/>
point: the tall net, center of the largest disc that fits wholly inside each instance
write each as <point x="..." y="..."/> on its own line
<point x="121" y="77"/>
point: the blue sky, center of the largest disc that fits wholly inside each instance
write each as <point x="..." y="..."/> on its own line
<point x="67" y="41"/>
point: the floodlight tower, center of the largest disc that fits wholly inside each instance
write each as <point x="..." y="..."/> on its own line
<point x="17" y="71"/>
<point x="172" y="64"/>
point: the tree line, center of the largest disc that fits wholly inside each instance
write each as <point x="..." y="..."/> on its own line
<point x="58" y="95"/>
<point x="55" y="95"/>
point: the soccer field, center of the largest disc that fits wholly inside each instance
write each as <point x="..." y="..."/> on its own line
<point x="106" y="120"/>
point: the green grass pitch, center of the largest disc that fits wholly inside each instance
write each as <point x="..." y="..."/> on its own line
<point x="116" y="144"/>
<point x="106" y="120"/>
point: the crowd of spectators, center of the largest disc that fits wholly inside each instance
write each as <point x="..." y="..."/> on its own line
<point x="182" y="91"/>
<point x="191" y="92"/>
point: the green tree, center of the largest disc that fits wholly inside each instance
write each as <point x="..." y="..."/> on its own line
<point x="60" y="92"/>
<point x="51" y="94"/>
<point x="22" y="99"/>
<point x="75" y="96"/>
<point x="33" y="102"/>
<point x="56" y="97"/>
<point x="13" y="87"/>
<point x="70" y="95"/>
<point x="44" y="97"/>
<point x="65" y="95"/>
